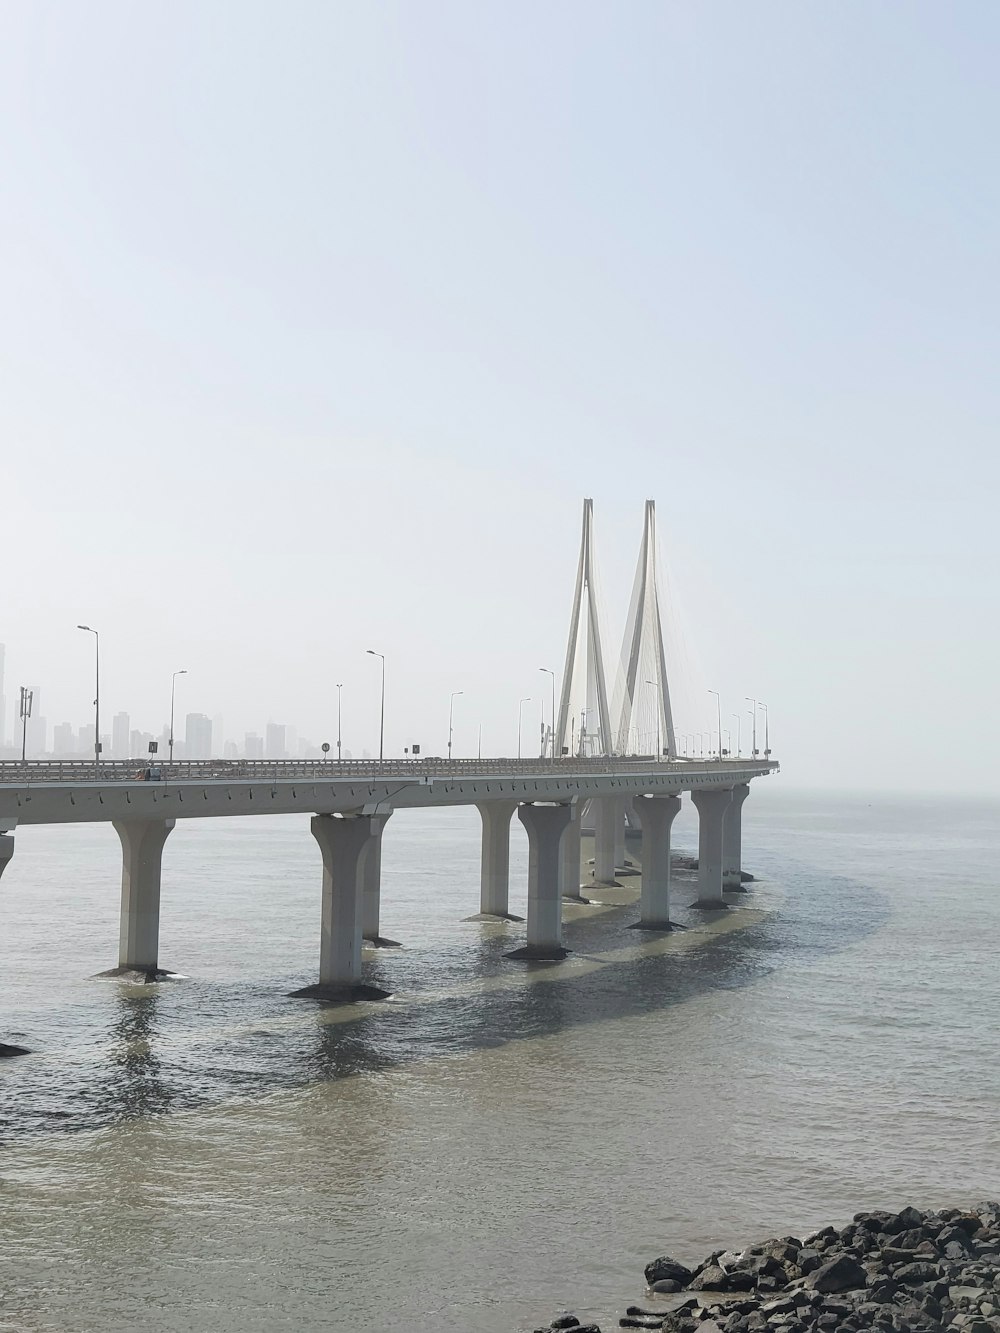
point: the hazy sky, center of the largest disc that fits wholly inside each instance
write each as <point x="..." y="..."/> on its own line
<point x="319" y="320"/>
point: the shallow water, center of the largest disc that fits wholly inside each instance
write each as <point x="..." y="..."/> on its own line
<point x="499" y="1141"/>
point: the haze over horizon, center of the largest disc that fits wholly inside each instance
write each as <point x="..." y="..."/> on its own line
<point x="318" y="324"/>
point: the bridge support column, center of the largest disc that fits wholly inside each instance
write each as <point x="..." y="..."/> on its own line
<point x="732" y="838"/>
<point x="711" y="806"/>
<point x="607" y="816"/>
<point x="6" y="849"/>
<point x="494" y="891"/>
<point x="372" y="900"/>
<point x="344" y="842"/>
<point x="546" y="826"/>
<point x="139" y="935"/>
<point x="570" y="868"/>
<point x="655" y="814"/>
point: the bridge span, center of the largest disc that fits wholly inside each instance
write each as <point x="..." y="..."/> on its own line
<point x="350" y="804"/>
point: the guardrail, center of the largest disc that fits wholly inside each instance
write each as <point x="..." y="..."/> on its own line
<point x="14" y="772"/>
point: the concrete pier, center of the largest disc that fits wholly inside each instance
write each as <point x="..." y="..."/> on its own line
<point x="607" y="816"/>
<point x="711" y="805"/>
<point x="570" y="867"/>
<point x="371" y="907"/>
<point x="732" y="839"/>
<point x="344" y="842"/>
<point x="6" y="849"/>
<point x="139" y="933"/>
<point x="494" y="891"/>
<point x="656" y="814"/>
<point x="546" y="826"/>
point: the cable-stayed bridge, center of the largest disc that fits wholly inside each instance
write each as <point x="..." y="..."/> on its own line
<point x="593" y="771"/>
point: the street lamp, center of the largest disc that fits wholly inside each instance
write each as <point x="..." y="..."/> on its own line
<point x="754" y="702"/>
<point x="451" y="715"/>
<point x="339" y="688"/>
<point x="739" y="734"/>
<point x="767" y="748"/>
<point x="718" y="704"/>
<point x="381" y="723"/>
<point x="173" y="687"/>
<point x="659" y="748"/>
<point x="551" y="673"/>
<point x="520" y="708"/>
<point x="97" y="695"/>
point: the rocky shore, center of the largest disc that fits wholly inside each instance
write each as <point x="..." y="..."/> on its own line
<point x="910" y="1272"/>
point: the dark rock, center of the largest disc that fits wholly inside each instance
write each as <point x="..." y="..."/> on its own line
<point x="7" y="1050"/>
<point x="840" y="1274"/>
<point x="667" y="1269"/>
<point x="565" y="1321"/>
<point x="914" y="1275"/>
<point x="666" y="1286"/>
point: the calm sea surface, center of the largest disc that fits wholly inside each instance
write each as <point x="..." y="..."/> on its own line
<point x="498" y="1142"/>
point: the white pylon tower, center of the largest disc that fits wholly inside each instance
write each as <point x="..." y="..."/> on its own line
<point x="584" y="723"/>
<point x="643" y="718"/>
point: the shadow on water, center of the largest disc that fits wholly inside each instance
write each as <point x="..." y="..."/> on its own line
<point x="238" y="1044"/>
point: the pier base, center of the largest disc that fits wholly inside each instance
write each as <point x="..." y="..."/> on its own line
<point x="142" y="843"/>
<point x="546" y="825"/>
<point x="6" y="850"/>
<point x="494" y="890"/>
<point x="711" y="805"/>
<point x="372" y="900"/>
<point x="732" y="838"/>
<point x="344" y="842"/>
<point x="655" y="814"/>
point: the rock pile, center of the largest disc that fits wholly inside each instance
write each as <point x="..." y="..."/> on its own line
<point x="906" y="1272"/>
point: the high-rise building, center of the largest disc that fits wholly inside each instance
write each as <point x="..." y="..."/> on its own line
<point x="274" y="747"/>
<point x="197" y="736"/>
<point x="218" y="734"/>
<point x="253" y="746"/>
<point x="3" y="701"/>
<point x="63" y="741"/>
<point x="120" y="748"/>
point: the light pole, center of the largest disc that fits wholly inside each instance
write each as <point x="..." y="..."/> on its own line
<point x="339" y="689"/>
<point x="659" y="747"/>
<point x="552" y="729"/>
<point x="381" y="722"/>
<point x="451" y="715"/>
<point x="767" y="748"/>
<point x="739" y="734"/>
<point x="97" y="695"/>
<point x="718" y="705"/>
<point x="520" y="709"/>
<point x="729" y="742"/>
<point x="754" y="702"/>
<point x="173" y="687"/>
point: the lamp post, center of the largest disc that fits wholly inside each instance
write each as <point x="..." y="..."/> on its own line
<point x="97" y="695"/>
<point x="381" y="722"/>
<point x="754" y="702"/>
<point x="718" y="705"/>
<point x="767" y="748"/>
<point x="739" y="734"/>
<point x="173" y="687"/>
<point x="552" y="728"/>
<point x="520" y="709"/>
<point x="339" y="689"/>
<point x="451" y="715"/>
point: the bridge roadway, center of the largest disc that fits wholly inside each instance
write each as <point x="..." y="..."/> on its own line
<point x="350" y="804"/>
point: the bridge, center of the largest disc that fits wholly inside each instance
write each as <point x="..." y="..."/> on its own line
<point x="350" y="804"/>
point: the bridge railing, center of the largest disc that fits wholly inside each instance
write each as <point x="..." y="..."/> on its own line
<point x="14" y="772"/>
